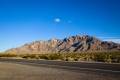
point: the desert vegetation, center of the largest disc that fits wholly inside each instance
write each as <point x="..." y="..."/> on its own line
<point x="108" y="57"/>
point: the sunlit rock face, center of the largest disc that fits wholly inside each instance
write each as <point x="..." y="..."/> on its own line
<point x="71" y="44"/>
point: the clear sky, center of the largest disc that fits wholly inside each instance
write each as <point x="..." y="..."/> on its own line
<point x="23" y="21"/>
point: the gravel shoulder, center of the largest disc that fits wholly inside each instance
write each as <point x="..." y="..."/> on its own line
<point x="12" y="71"/>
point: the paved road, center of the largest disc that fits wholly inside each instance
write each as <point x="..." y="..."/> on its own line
<point x="37" y="69"/>
<point x="13" y="71"/>
<point x="100" y="67"/>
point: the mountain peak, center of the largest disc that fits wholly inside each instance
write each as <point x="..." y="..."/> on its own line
<point x="75" y="43"/>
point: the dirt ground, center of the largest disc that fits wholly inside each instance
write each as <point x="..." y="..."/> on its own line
<point x="12" y="71"/>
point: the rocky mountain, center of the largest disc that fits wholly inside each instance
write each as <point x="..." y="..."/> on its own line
<point x="71" y="44"/>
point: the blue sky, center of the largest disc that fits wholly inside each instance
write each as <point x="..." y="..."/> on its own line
<point x="23" y="21"/>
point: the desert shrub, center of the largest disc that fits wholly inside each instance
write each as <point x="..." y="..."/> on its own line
<point x="55" y="56"/>
<point x="25" y="56"/>
<point x="109" y="57"/>
<point x="30" y="56"/>
<point x="8" y="55"/>
<point x="44" y="57"/>
<point x="99" y="57"/>
<point x="69" y="59"/>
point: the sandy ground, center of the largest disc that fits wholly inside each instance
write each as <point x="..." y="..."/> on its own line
<point x="12" y="71"/>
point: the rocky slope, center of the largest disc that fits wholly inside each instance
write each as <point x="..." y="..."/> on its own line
<point x="71" y="44"/>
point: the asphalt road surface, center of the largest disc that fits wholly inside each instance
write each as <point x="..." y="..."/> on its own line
<point x="20" y="69"/>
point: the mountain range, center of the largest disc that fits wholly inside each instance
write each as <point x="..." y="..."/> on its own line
<point x="75" y="43"/>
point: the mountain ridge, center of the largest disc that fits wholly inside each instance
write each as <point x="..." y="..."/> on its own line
<point x="75" y="43"/>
